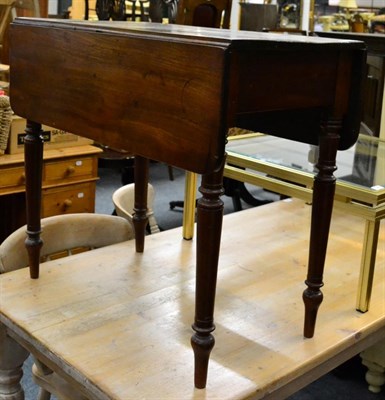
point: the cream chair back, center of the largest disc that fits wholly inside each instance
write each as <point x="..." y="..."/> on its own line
<point x="124" y="199"/>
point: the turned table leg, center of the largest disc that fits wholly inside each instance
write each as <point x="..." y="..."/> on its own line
<point x="374" y="358"/>
<point x="140" y="207"/>
<point x="39" y="373"/>
<point x="12" y="357"/>
<point x="33" y="149"/>
<point x="323" y="196"/>
<point x="375" y="376"/>
<point x="209" y="227"/>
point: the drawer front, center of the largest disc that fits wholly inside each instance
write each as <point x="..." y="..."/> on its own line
<point x="69" y="199"/>
<point x="12" y="178"/>
<point x="69" y="169"/>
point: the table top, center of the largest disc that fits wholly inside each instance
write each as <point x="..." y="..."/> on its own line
<point x="375" y="43"/>
<point x="184" y="32"/>
<point x="118" y="322"/>
<point x="170" y="92"/>
<point x="361" y="167"/>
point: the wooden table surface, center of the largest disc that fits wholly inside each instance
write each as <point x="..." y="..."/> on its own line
<point x="118" y="322"/>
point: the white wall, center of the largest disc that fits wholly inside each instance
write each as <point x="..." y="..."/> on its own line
<point x="52" y="7"/>
<point x="371" y="3"/>
<point x="234" y="16"/>
<point x="235" y="10"/>
<point x="305" y="11"/>
<point x="363" y="3"/>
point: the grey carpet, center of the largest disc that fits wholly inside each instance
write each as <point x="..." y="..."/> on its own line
<point x="345" y="383"/>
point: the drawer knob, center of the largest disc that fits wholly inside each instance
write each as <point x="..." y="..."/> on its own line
<point x="70" y="170"/>
<point x="22" y="178"/>
<point x="67" y="203"/>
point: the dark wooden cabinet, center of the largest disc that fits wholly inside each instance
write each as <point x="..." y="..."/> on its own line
<point x="374" y="85"/>
<point x="373" y="95"/>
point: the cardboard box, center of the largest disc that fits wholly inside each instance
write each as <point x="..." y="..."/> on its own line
<point x="53" y="138"/>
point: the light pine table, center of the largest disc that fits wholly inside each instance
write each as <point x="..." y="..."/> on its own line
<point x="122" y="332"/>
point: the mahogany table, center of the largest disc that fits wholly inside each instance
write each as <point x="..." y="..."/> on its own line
<point x="170" y="93"/>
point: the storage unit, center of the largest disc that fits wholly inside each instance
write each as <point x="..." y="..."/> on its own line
<point x="69" y="182"/>
<point x="53" y="138"/>
<point x="373" y="120"/>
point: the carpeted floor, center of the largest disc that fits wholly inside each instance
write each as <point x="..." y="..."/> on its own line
<point x="345" y="383"/>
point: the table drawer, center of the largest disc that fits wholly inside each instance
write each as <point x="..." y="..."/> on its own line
<point x="69" y="169"/>
<point x="12" y="177"/>
<point x="69" y="199"/>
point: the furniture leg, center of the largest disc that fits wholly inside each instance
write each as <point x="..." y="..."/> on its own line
<point x="43" y="395"/>
<point x="323" y="195"/>
<point x="368" y="262"/>
<point x="237" y="202"/>
<point x="39" y="372"/>
<point x="238" y="191"/>
<point x="232" y="188"/>
<point x="189" y="205"/>
<point x="374" y="358"/>
<point x="375" y="376"/>
<point x="176" y="203"/>
<point x="12" y="357"/>
<point x="170" y="172"/>
<point x="249" y="199"/>
<point x="33" y="148"/>
<point x="140" y="208"/>
<point x="209" y="227"/>
<point x="86" y="10"/>
<point x="128" y="173"/>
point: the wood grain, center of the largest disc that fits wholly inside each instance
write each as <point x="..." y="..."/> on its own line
<point x="118" y="322"/>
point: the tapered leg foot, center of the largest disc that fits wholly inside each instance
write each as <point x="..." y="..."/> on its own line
<point x="312" y="297"/>
<point x="202" y="344"/>
<point x="209" y="227"/>
<point x="33" y="154"/>
<point x="34" y="244"/>
<point x="374" y="359"/>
